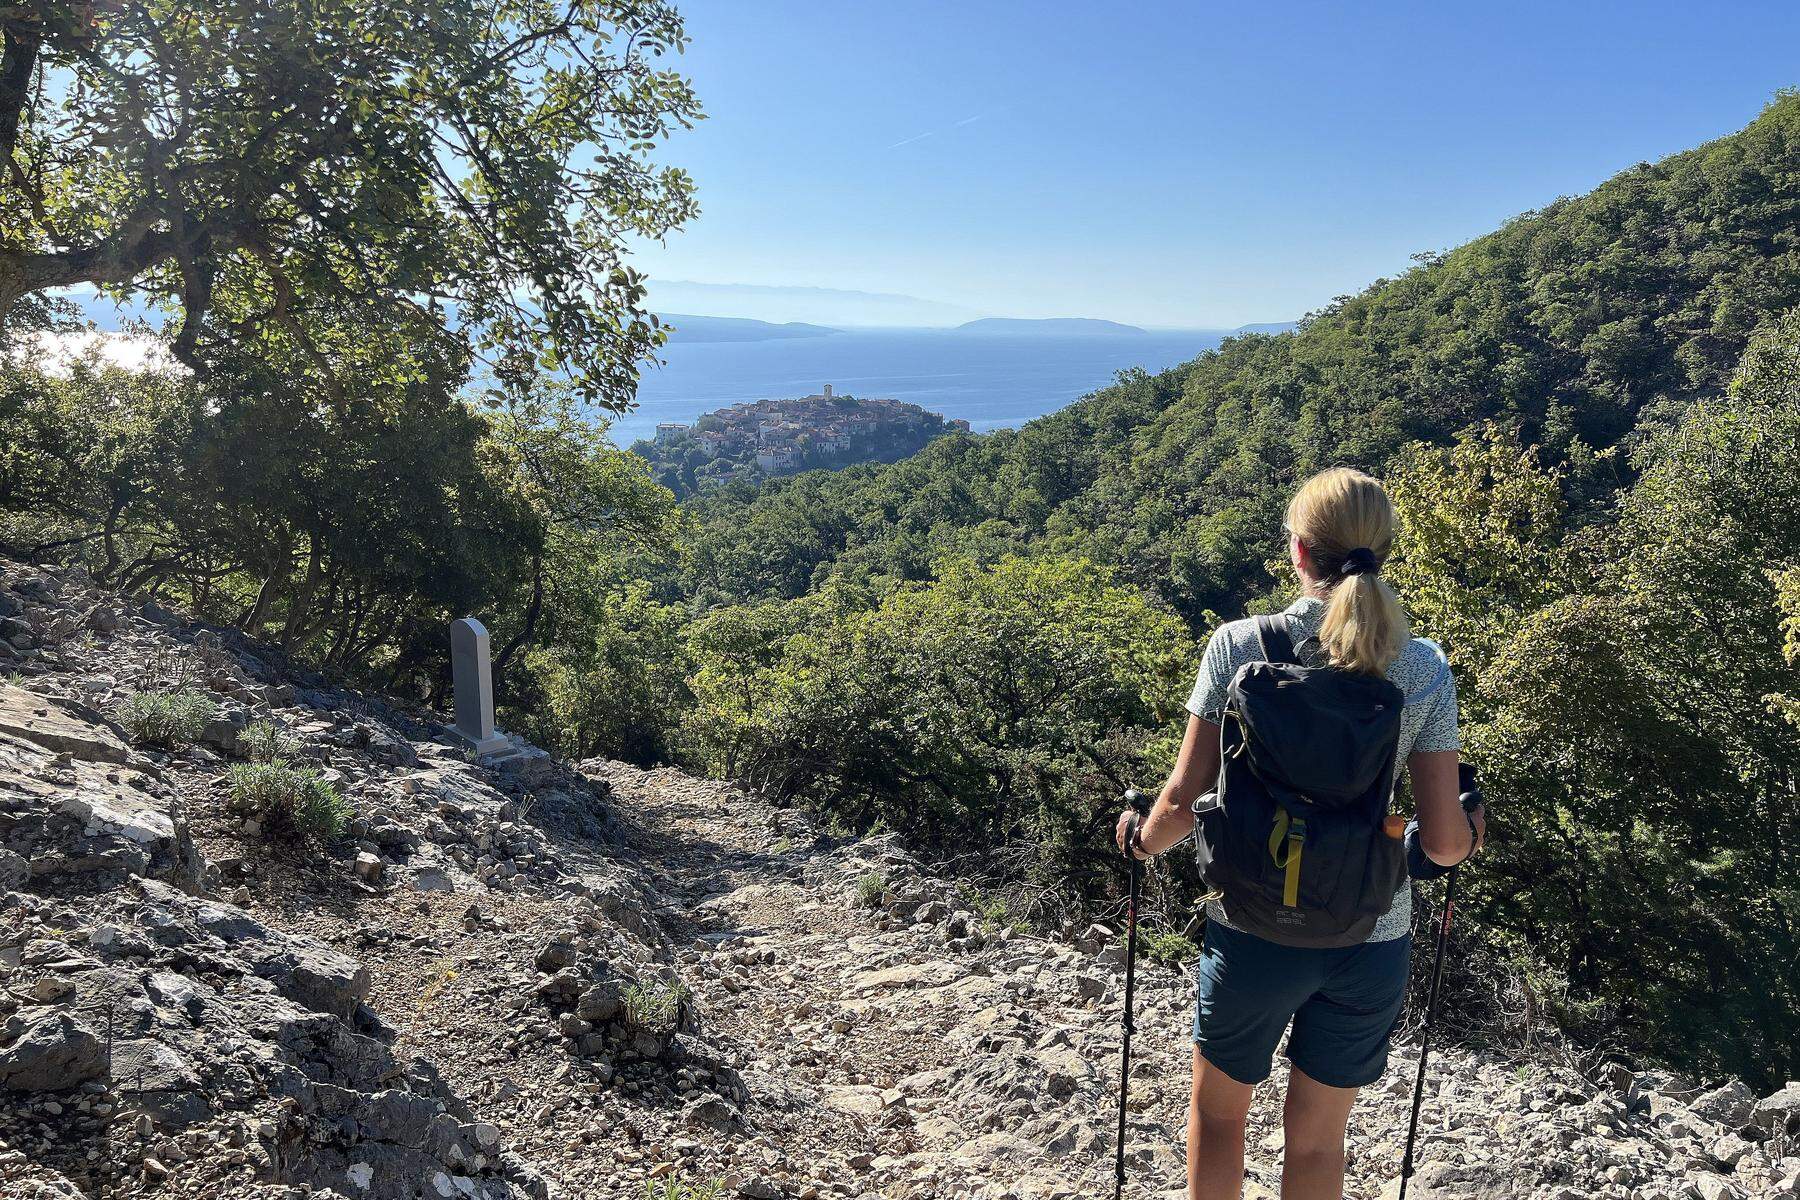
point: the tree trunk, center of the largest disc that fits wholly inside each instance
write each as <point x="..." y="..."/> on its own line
<point x="301" y="607"/>
<point x="109" y="541"/>
<point x="528" y="629"/>
<point x="265" y="596"/>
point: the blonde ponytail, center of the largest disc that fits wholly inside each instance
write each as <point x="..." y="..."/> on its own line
<point x="1346" y="522"/>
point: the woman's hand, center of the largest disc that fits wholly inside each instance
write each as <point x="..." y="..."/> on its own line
<point x="1125" y="836"/>
<point x="1171" y="817"/>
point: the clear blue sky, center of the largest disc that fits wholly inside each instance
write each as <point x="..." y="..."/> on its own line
<point x="1198" y="164"/>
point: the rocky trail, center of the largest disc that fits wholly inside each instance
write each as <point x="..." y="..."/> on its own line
<point x="522" y="978"/>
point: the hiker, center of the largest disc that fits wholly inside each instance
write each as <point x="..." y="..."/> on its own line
<point x="1341" y="978"/>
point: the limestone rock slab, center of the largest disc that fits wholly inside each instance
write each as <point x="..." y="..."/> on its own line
<point x="58" y="727"/>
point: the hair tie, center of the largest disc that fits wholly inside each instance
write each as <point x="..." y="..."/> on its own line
<point x="1360" y="561"/>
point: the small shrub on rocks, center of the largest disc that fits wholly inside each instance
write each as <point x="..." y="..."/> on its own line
<point x="674" y="1189"/>
<point x="267" y="742"/>
<point x="443" y="974"/>
<point x="654" y="1006"/>
<point x="992" y="910"/>
<point x="287" y="799"/>
<point x="870" y="888"/>
<point x="168" y="720"/>
<point x="1169" y="949"/>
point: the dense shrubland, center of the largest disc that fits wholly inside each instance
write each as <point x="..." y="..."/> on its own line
<point x="1591" y="418"/>
<point x="985" y="709"/>
<point x="346" y="536"/>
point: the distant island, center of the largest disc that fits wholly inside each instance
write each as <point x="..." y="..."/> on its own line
<point x="688" y="328"/>
<point x="1057" y="326"/>
<point x="1271" y="327"/>
<point x="781" y="437"/>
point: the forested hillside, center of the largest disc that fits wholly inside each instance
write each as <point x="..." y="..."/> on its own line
<point x="1577" y="324"/>
<point x="977" y="645"/>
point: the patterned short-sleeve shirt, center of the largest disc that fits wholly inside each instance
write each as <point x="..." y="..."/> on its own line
<point x="1421" y="673"/>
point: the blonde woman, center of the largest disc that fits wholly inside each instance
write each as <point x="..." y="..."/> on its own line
<point x="1342" y="1001"/>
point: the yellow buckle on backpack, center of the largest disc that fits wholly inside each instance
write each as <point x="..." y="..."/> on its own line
<point x="1286" y="841"/>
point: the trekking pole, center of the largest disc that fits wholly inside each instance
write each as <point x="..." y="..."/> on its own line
<point x="1471" y="800"/>
<point x="1431" y="1007"/>
<point x="1139" y="803"/>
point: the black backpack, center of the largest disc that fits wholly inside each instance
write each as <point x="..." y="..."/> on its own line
<point x="1296" y="846"/>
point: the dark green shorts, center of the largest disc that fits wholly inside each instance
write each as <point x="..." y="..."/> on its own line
<point x="1344" y="1004"/>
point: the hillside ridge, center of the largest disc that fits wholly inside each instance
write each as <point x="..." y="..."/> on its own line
<point x="518" y="977"/>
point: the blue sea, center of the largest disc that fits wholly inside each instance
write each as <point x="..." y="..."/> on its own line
<point x="993" y="382"/>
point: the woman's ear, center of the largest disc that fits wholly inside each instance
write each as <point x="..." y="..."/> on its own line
<point x="1298" y="555"/>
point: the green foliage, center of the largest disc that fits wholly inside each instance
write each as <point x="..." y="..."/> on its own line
<point x="83" y="449"/>
<point x="673" y="1189"/>
<point x="266" y="742"/>
<point x="1623" y="698"/>
<point x="613" y="683"/>
<point x="369" y="526"/>
<point x="167" y="720"/>
<point x="289" y="800"/>
<point x="1169" y="949"/>
<point x="991" y="707"/>
<point x="1481" y="537"/>
<point x="870" y="889"/>
<point x="1787" y="600"/>
<point x="298" y="179"/>
<point x="655" y="1006"/>
<point x="991" y="909"/>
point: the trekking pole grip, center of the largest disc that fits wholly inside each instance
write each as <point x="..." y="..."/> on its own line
<point x="1139" y="804"/>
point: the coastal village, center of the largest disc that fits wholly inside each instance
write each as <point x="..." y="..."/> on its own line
<point x="781" y="437"/>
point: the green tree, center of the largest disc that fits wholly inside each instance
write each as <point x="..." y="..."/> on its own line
<point x="588" y="503"/>
<point x="1481" y="538"/>
<point x="1622" y="689"/>
<point x="460" y="176"/>
<point x="614" y="685"/>
<point x="1001" y="707"/>
<point x="92" y="462"/>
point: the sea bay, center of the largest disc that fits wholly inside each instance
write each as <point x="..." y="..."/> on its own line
<point x="991" y="381"/>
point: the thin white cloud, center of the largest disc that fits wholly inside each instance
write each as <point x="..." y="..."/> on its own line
<point x="917" y="137"/>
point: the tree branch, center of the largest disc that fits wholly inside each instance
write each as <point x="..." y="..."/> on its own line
<point x="17" y="62"/>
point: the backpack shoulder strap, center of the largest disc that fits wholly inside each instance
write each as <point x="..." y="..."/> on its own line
<point x="1277" y="643"/>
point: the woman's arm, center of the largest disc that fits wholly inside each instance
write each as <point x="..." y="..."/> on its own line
<point x="1196" y="770"/>
<point x="1443" y="829"/>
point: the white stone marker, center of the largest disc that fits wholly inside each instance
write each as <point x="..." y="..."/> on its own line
<point x="474" y="676"/>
